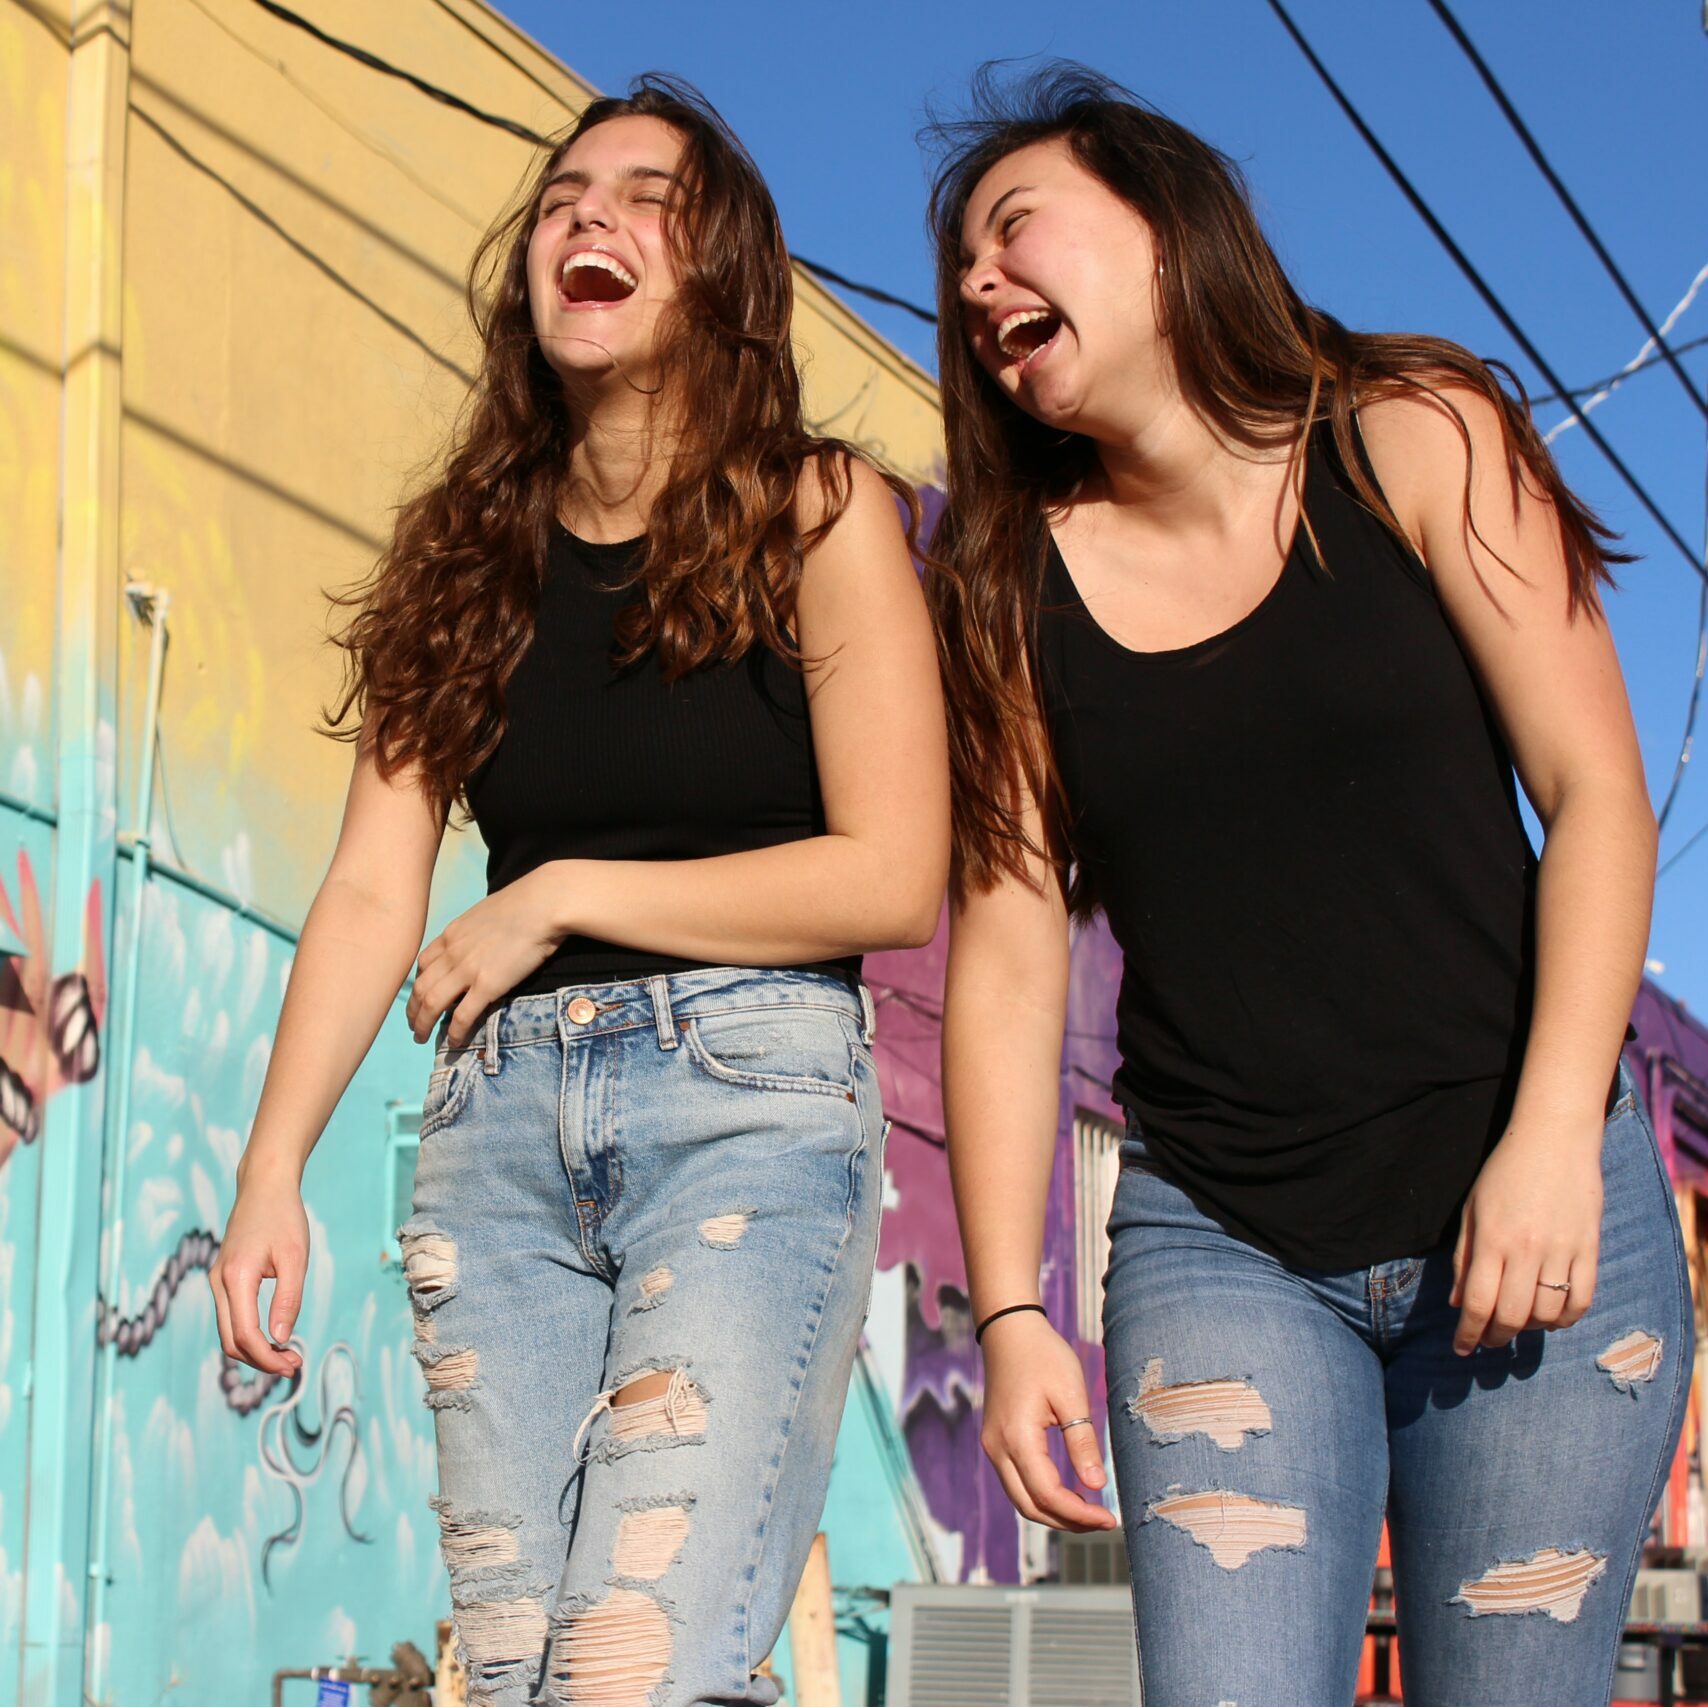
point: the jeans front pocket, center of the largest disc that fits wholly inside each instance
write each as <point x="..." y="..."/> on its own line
<point x="448" y="1087"/>
<point x="775" y="1049"/>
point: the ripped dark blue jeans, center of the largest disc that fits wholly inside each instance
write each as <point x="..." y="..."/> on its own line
<point x="1263" y="1418"/>
<point x="645" y="1220"/>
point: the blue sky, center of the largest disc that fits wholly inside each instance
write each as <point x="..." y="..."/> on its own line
<point x="829" y="98"/>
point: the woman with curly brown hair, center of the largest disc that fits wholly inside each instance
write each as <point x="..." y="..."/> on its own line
<point x="669" y="650"/>
<point x="1253" y="619"/>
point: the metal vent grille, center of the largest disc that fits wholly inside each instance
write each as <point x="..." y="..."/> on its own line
<point x="976" y="1646"/>
<point x="1095" y="1558"/>
<point x="1096" y="1168"/>
<point x="961" y="1655"/>
<point x="1080" y="1657"/>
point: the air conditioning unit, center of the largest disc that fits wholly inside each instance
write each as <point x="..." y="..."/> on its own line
<point x="1667" y="1597"/>
<point x="1094" y="1559"/>
<point x="961" y="1645"/>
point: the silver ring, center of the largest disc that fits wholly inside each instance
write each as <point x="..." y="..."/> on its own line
<point x="1072" y="1422"/>
<point x="1555" y="1285"/>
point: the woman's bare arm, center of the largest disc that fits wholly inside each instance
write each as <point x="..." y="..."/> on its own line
<point x="1554" y="683"/>
<point x="1004" y="1009"/>
<point x="357" y="945"/>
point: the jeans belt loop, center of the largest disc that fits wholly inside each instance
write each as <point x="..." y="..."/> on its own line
<point x="489" y="1060"/>
<point x="868" y="1015"/>
<point x="659" y="987"/>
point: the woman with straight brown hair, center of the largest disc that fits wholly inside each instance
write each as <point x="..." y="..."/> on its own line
<point x="669" y="650"/>
<point x="1251" y="620"/>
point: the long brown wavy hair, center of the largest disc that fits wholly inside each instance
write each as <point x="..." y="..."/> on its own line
<point x="1253" y="359"/>
<point x="450" y="607"/>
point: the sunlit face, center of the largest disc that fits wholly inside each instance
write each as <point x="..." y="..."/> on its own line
<point x="599" y="269"/>
<point x="1057" y="286"/>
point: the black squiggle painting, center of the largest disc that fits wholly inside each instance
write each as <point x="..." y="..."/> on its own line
<point x="283" y="1424"/>
<point x="286" y="1438"/>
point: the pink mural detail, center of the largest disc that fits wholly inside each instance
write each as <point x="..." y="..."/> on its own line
<point x="50" y="1028"/>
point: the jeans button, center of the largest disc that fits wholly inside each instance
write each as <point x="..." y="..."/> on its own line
<point x="581" y="1010"/>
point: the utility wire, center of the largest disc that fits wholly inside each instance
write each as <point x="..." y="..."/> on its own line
<point x="1483" y="288"/>
<point x="872" y="291"/>
<point x="498" y="48"/>
<point x="1645" y="357"/>
<point x="1676" y="857"/>
<point x="1568" y="201"/>
<point x="314" y="258"/>
<point x="360" y="137"/>
<point x="387" y="69"/>
<point x="527" y="133"/>
<point x="1682" y="763"/>
<point x="1656" y="347"/>
<point x="1614" y="380"/>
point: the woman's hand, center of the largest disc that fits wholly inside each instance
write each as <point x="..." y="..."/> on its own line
<point x="1033" y="1379"/>
<point x="1533" y="1219"/>
<point x="266" y="1238"/>
<point x="484" y="952"/>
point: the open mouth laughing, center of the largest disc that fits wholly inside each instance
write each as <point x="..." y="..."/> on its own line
<point x="1026" y="334"/>
<point x="594" y="278"/>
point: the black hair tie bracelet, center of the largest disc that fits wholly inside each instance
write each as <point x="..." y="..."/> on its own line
<point x="978" y="1332"/>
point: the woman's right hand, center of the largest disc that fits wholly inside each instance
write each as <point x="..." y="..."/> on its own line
<point x="1032" y="1379"/>
<point x="266" y="1238"/>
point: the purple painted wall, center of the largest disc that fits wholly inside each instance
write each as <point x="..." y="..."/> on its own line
<point x="1669" y="1060"/>
<point x="941" y="1398"/>
<point x="940" y="1403"/>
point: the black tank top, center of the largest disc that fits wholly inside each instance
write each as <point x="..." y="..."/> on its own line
<point x="1305" y="835"/>
<point x="601" y="763"/>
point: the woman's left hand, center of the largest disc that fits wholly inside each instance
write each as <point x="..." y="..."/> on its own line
<point x="1533" y="1220"/>
<point x="481" y="954"/>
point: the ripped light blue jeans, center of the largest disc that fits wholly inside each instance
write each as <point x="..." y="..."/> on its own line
<point x="671" y="1184"/>
<point x="1263" y="1417"/>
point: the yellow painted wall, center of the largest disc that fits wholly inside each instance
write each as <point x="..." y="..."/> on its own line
<point x="295" y="346"/>
<point x="33" y="62"/>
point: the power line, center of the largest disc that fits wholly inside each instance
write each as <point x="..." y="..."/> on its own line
<point x="1644" y="357"/>
<point x="1534" y="149"/>
<point x="1682" y="763"/>
<point x="360" y="137"/>
<point x="513" y="127"/>
<point x="1616" y="379"/>
<point x="314" y="258"/>
<point x="1656" y="346"/>
<point x="498" y="48"/>
<point x="386" y="69"/>
<point x="1702" y="831"/>
<point x="872" y="291"/>
<point x="1483" y="288"/>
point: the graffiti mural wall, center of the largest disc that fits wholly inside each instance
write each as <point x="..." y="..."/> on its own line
<point x="921" y="1320"/>
<point x="256" y="1496"/>
<point x="231" y="334"/>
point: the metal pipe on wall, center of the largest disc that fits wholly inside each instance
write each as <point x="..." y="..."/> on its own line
<point x="152" y="607"/>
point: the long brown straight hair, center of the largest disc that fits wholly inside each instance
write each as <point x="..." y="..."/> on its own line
<point x="1253" y="359"/>
<point x="450" y="608"/>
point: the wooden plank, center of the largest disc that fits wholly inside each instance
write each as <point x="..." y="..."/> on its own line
<point x="812" y="1633"/>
